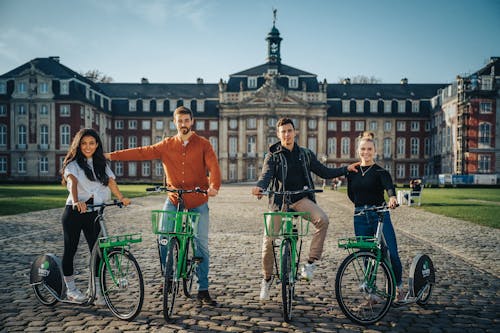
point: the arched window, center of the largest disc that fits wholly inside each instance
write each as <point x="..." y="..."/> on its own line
<point x="152" y="105"/>
<point x="166" y="105"/>
<point x="194" y="105"/>
<point x="138" y="105"/>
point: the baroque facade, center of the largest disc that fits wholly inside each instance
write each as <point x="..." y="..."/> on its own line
<point x="421" y="130"/>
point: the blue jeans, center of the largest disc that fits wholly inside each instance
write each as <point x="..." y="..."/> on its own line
<point x="200" y="242"/>
<point x="366" y="225"/>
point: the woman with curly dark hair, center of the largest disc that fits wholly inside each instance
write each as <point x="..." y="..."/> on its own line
<point x="89" y="181"/>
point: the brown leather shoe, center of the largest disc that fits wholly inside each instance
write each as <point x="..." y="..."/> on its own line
<point x="205" y="299"/>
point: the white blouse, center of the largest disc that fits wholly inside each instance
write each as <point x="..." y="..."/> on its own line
<point x="87" y="188"/>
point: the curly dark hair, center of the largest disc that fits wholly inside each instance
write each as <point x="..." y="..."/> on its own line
<point x="98" y="159"/>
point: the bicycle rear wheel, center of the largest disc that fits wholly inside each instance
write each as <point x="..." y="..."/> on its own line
<point x="287" y="280"/>
<point x="191" y="265"/>
<point x="43" y="294"/>
<point x="171" y="284"/>
<point x="122" y="284"/>
<point x="364" y="290"/>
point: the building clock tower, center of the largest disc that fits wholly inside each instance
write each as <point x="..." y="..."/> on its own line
<point x="274" y="41"/>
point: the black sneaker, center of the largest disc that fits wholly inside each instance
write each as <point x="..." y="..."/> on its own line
<point x="205" y="299"/>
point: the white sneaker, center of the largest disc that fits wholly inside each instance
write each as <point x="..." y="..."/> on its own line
<point x="264" y="289"/>
<point x="307" y="271"/>
<point x="75" y="295"/>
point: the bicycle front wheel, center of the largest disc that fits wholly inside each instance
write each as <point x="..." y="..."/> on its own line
<point x="287" y="280"/>
<point x="191" y="265"/>
<point x="122" y="284"/>
<point x="171" y="284"/>
<point x="364" y="288"/>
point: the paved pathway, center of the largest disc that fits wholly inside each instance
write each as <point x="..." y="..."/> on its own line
<point x="465" y="299"/>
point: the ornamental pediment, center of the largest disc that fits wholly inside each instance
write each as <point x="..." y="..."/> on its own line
<point x="272" y="94"/>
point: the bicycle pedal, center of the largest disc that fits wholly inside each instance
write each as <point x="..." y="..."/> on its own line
<point x="197" y="259"/>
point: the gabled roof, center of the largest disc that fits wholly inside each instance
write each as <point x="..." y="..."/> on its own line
<point x="383" y="91"/>
<point x="161" y="90"/>
<point x="486" y="70"/>
<point x="51" y="67"/>
<point x="282" y="69"/>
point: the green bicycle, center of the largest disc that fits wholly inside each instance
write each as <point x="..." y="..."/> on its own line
<point x="176" y="230"/>
<point x="120" y="276"/>
<point x="286" y="227"/>
<point x="365" y="285"/>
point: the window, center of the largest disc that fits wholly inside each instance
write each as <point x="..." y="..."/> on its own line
<point x="132" y="141"/>
<point x="65" y="135"/>
<point x="332" y="125"/>
<point x="21" y="138"/>
<point x="346" y="106"/>
<point x="3" y="135"/>
<point x="401" y="126"/>
<point x="312" y="143"/>
<point x="132" y="124"/>
<point x="64" y="111"/>
<point x="21" y="109"/>
<point x="415" y="106"/>
<point x="158" y="138"/>
<point x="484" y="162"/>
<point x="427" y="126"/>
<point x="401" y="107"/>
<point x="387" y="126"/>
<point x="387" y="107"/>
<point x="414" y="170"/>
<point x="64" y="87"/>
<point x="146" y="169"/>
<point x="43" y="88"/>
<point x="232" y="171"/>
<point x="233" y="123"/>
<point x="43" y="164"/>
<point x="21" y="165"/>
<point x="486" y="83"/>
<point x="271" y="140"/>
<point x="293" y="82"/>
<point x="373" y="125"/>
<point x="233" y="146"/>
<point x="415" y="126"/>
<point x="158" y="169"/>
<point x="152" y="105"/>
<point x="346" y="126"/>
<point x="485" y="107"/>
<point x="159" y="124"/>
<point x="200" y="105"/>
<point x="400" y="171"/>
<point x="145" y="141"/>
<point x="119" y="168"/>
<point x="252" y="82"/>
<point x="414" y="146"/>
<point x="387" y="149"/>
<point x="132" y="169"/>
<point x="345" y="146"/>
<point x="200" y="125"/>
<point x="118" y="142"/>
<point x="44" y="110"/>
<point x="251" y="171"/>
<point x="360" y="125"/>
<point x="251" y="123"/>
<point x="214" y="141"/>
<point x="360" y="106"/>
<point x="44" y="136"/>
<point x="3" y="110"/>
<point x="213" y="125"/>
<point x="484" y="134"/>
<point x="401" y="142"/>
<point x="373" y="106"/>
<point x="312" y="124"/>
<point x="3" y="88"/>
<point x="427" y="146"/>
<point x="271" y="122"/>
<point x="21" y="87"/>
<point x="146" y="124"/>
<point x="332" y="146"/>
<point x="3" y="164"/>
<point x="251" y="145"/>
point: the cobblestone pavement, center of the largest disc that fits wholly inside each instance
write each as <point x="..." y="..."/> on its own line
<point x="465" y="299"/>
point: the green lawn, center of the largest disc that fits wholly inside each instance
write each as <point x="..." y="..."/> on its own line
<point x="16" y="199"/>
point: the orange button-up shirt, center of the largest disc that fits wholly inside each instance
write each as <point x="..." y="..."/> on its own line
<point x="187" y="166"/>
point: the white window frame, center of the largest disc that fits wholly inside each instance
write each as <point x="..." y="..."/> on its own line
<point x="359" y="125"/>
<point x="213" y="125"/>
<point x="119" y="142"/>
<point x="43" y="164"/>
<point x="3" y="164"/>
<point x="331" y="146"/>
<point x="132" y="141"/>
<point x="346" y="106"/>
<point x="252" y="82"/>
<point x="146" y="125"/>
<point x="132" y="124"/>
<point x="415" y="126"/>
<point x="146" y="168"/>
<point x="132" y="169"/>
<point x="200" y="125"/>
<point x="485" y="107"/>
<point x="65" y="135"/>
<point x="3" y="135"/>
<point x="159" y="125"/>
<point x="401" y="126"/>
<point x="346" y="126"/>
<point x="332" y="125"/>
<point x="64" y="110"/>
<point x="293" y="82"/>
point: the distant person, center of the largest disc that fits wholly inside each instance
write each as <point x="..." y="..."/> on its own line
<point x="288" y="167"/>
<point x="189" y="161"/>
<point x="366" y="189"/>
<point x="89" y="181"/>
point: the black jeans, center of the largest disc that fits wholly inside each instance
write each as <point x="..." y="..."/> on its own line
<point x="73" y="224"/>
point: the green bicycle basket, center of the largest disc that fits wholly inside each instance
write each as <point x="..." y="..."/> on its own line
<point x="119" y="240"/>
<point x="172" y="222"/>
<point x="279" y="224"/>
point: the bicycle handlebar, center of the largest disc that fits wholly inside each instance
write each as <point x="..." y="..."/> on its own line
<point x="175" y="190"/>
<point x="377" y="209"/>
<point x="114" y="203"/>
<point x="308" y="190"/>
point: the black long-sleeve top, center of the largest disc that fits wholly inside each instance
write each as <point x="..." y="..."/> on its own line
<point x="368" y="189"/>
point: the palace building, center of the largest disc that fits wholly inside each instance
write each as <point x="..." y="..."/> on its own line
<point x="421" y="130"/>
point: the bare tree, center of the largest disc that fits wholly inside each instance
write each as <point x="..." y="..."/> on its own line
<point x="360" y="79"/>
<point x="97" y="76"/>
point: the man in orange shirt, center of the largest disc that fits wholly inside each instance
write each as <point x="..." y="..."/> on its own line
<point x="187" y="160"/>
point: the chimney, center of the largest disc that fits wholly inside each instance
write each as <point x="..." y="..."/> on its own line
<point x="144" y="80"/>
<point x="404" y="81"/>
<point x="346" y="81"/>
<point x="199" y="80"/>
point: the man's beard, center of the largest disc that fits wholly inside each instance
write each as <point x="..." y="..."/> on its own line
<point x="185" y="130"/>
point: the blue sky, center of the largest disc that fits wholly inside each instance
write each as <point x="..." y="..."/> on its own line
<point x="181" y="40"/>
